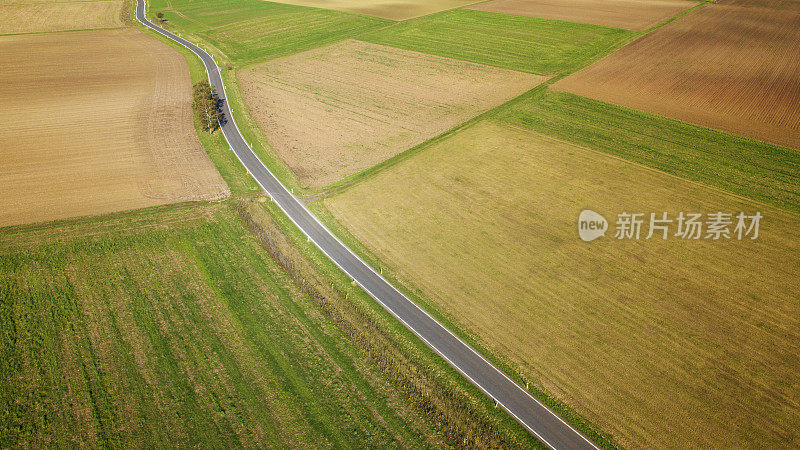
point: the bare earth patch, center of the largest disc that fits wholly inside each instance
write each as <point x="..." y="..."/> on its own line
<point x="332" y="112"/>
<point x="95" y="122"/>
<point x="388" y="9"/>
<point x="725" y="66"/>
<point x="663" y="343"/>
<point x="628" y="14"/>
<point x="38" y="17"/>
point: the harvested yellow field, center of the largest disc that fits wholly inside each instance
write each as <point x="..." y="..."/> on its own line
<point x="334" y="111"/>
<point x="733" y="66"/>
<point x="31" y="17"/>
<point x="388" y="9"/>
<point x="628" y="14"/>
<point x="663" y="343"/>
<point x="94" y="122"/>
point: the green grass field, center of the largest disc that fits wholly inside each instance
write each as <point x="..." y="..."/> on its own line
<point x="246" y="31"/>
<point x="743" y="166"/>
<point x="206" y="325"/>
<point x="177" y="327"/>
<point x="541" y="46"/>
<point x="175" y="330"/>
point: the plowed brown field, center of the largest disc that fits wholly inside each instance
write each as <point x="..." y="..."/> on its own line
<point x="335" y="111"/>
<point x="781" y="5"/>
<point x="725" y="66"/>
<point x="38" y="17"/>
<point x="628" y="14"/>
<point x="94" y="122"/>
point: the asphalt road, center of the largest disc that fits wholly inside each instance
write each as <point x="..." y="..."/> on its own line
<point x="528" y="411"/>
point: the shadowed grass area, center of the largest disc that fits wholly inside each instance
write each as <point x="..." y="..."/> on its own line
<point x="522" y="43"/>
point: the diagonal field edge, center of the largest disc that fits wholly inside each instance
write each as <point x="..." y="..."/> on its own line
<point x="548" y="427"/>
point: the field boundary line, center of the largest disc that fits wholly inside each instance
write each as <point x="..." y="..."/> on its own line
<point x="367" y="173"/>
<point x="716" y="189"/>
<point x="76" y="30"/>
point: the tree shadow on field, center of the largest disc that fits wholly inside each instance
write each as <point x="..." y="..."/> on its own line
<point x="220" y="105"/>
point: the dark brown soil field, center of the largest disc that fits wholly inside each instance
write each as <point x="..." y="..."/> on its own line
<point x="733" y="66"/>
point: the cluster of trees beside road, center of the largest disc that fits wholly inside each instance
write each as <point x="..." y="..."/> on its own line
<point x="206" y="105"/>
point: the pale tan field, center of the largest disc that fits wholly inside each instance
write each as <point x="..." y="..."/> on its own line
<point x="662" y="343"/>
<point x="628" y="14"/>
<point x="334" y="111"/>
<point x="388" y="9"/>
<point x="725" y="66"/>
<point x="94" y="122"/>
<point x="29" y="2"/>
<point x="32" y="17"/>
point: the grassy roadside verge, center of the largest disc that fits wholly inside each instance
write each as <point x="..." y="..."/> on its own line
<point x="436" y="388"/>
<point x="255" y="137"/>
<point x="217" y="148"/>
<point x="215" y="144"/>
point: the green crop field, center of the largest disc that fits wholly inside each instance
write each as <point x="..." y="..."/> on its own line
<point x="252" y="30"/>
<point x="176" y="330"/>
<point x="743" y="166"/>
<point x="205" y="325"/>
<point x="539" y="46"/>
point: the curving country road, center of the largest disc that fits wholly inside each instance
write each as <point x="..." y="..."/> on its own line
<point x="527" y="410"/>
